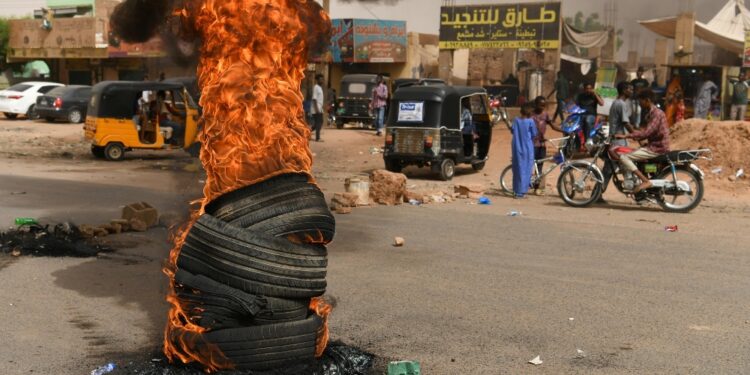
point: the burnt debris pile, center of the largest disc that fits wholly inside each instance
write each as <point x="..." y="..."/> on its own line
<point x="61" y="240"/>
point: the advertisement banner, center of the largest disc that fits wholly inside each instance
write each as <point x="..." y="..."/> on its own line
<point x="378" y="41"/>
<point x="342" y="42"/>
<point x="533" y="25"/>
<point x="746" y="55"/>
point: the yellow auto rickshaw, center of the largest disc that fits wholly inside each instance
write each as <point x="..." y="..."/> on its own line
<point x="124" y="116"/>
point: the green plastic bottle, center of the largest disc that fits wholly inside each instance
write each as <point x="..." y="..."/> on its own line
<point x="26" y="221"/>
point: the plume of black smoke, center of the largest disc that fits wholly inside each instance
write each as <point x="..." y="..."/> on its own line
<point x="137" y="21"/>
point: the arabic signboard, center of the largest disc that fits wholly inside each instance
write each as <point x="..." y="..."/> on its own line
<point x="411" y="112"/>
<point x="366" y="41"/>
<point x="533" y="25"/>
<point x="746" y="55"/>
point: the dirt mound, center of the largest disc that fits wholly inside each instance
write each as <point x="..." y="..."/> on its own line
<point x="729" y="142"/>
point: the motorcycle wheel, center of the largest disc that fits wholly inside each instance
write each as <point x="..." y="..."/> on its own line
<point x="675" y="200"/>
<point x="578" y="184"/>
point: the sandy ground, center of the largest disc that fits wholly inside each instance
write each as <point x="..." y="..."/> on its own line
<point x="473" y="291"/>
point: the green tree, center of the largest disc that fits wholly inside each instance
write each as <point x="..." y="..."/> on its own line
<point x="4" y="40"/>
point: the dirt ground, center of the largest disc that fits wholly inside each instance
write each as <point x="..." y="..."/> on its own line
<point x="473" y="291"/>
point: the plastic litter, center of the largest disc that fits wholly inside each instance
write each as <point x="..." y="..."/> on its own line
<point x="404" y="368"/>
<point x="670" y="228"/>
<point x="485" y="201"/>
<point x="25" y="221"/>
<point x="716" y="170"/>
<point x="580" y="353"/>
<point x="740" y="173"/>
<point x="101" y="370"/>
<point x="415" y="202"/>
<point x="514" y="213"/>
<point x="536" y="361"/>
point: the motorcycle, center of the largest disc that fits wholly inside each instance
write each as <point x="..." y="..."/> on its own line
<point x="499" y="110"/>
<point x="677" y="181"/>
<point x="573" y="126"/>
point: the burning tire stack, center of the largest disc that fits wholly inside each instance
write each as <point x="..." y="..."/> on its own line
<point x="247" y="271"/>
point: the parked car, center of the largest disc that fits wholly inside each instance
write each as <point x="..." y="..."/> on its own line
<point x="354" y="99"/>
<point x="64" y="103"/>
<point x="20" y="99"/>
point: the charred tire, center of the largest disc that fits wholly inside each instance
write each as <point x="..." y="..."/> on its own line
<point x="253" y="263"/>
<point x="114" y="152"/>
<point x="262" y="347"/>
<point x="10" y="116"/>
<point x="447" y="169"/>
<point x="98" y="152"/>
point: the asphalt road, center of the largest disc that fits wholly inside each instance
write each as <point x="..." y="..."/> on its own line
<point x="472" y="291"/>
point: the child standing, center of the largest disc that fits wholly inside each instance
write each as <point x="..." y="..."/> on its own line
<point x="522" y="148"/>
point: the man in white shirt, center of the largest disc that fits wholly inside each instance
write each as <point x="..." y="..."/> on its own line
<point x="316" y="109"/>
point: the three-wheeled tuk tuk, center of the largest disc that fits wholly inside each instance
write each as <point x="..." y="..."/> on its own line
<point x="354" y="99"/>
<point x="424" y="129"/>
<point x="126" y="115"/>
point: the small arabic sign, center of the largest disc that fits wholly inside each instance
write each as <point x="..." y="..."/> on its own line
<point x="534" y="25"/>
<point x="411" y="112"/>
<point x="746" y="58"/>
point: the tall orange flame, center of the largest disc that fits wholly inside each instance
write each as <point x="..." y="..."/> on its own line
<point x="253" y="58"/>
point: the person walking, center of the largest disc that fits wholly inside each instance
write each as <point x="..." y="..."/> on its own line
<point x="739" y="98"/>
<point x="318" y="98"/>
<point x="562" y="91"/>
<point x="707" y="92"/>
<point x="522" y="148"/>
<point x="378" y="103"/>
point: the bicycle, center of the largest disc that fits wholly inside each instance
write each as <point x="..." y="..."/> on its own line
<point x="506" y="177"/>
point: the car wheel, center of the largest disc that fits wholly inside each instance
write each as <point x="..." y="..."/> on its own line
<point x="31" y="113"/>
<point x="114" y="152"/>
<point x="11" y="116"/>
<point x="447" y="169"/>
<point x="98" y="152"/>
<point x="75" y="116"/>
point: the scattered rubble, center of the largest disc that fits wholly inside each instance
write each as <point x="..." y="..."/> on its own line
<point x="387" y="188"/>
<point x="398" y="241"/>
<point x="141" y="211"/>
<point x="536" y="361"/>
<point x="62" y="240"/>
<point x="469" y="191"/>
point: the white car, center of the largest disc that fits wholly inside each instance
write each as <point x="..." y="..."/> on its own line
<point x="20" y="99"/>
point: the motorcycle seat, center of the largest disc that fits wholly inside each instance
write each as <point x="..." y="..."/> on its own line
<point x="676" y="156"/>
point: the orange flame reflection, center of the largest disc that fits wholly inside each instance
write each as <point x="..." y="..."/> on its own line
<point x="253" y="59"/>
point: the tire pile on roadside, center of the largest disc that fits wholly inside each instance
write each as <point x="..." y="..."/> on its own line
<point x="241" y="279"/>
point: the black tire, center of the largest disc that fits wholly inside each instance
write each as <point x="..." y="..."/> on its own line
<point x="98" y="152"/>
<point x="75" y="116"/>
<point x="506" y="180"/>
<point x="31" y="113"/>
<point x="49" y="119"/>
<point x="570" y="186"/>
<point x="673" y="194"/>
<point x="447" y="169"/>
<point x="114" y="152"/>
<point x="213" y="305"/>
<point x="478" y="166"/>
<point x="260" y="347"/>
<point x="282" y="206"/>
<point x="253" y="262"/>
<point x="10" y="116"/>
<point x="339" y="124"/>
<point x="393" y="166"/>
